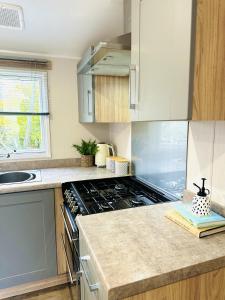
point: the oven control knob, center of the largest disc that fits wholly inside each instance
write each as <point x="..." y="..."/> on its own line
<point x="69" y="199"/>
<point x="74" y="209"/>
<point x="72" y="203"/>
<point x="66" y="193"/>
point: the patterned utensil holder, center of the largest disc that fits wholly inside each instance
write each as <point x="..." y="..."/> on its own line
<point x="201" y="206"/>
<point x="121" y="167"/>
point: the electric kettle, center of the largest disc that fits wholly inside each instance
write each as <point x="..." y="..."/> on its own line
<point x="104" y="150"/>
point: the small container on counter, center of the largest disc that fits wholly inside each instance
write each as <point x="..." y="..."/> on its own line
<point x="118" y="165"/>
<point x="201" y="203"/>
<point x="121" y="167"/>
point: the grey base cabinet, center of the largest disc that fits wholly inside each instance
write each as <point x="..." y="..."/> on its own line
<point x="27" y="237"/>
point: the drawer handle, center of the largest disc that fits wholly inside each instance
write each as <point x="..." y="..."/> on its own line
<point x="133" y="87"/>
<point x="72" y="281"/>
<point x="89" y="106"/>
<point x="66" y="226"/>
<point x="92" y="286"/>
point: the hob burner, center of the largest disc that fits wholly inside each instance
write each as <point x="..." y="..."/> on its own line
<point x="105" y="205"/>
<point x="120" y="187"/>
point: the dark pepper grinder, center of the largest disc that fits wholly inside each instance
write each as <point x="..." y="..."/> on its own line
<point x="201" y="203"/>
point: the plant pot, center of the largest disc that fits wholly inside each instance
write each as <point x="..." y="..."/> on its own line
<point x="87" y="161"/>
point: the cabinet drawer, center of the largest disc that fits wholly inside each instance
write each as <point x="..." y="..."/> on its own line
<point x="91" y="282"/>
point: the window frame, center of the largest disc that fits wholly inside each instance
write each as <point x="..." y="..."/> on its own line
<point x="44" y="152"/>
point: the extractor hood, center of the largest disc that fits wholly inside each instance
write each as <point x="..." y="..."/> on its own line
<point x="110" y="58"/>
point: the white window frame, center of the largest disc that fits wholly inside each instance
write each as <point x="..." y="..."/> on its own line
<point x="45" y="119"/>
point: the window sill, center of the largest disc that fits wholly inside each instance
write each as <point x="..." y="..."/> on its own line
<point x="25" y="156"/>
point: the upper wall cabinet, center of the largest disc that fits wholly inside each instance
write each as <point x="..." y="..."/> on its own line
<point x="103" y="81"/>
<point x="127" y="16"/>
<point x="178" y="60"/>
<point x="85" y="98"/>
<point x="103" y="99"/>
<point x="209" y="69"/>
<point x="161" y="38"/>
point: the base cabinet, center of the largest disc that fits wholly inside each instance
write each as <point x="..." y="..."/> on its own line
<point x="208" y="286"/>
<point x="91" y="283"/>
<point x="27" y="235"/>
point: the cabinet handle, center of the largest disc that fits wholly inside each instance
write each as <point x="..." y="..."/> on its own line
<point x="89" y="106"/>
<point x="94" y="286"/>
<point x="133" y="87"/>
<point x="72" y="281"/>
<point x="66" y="227"/>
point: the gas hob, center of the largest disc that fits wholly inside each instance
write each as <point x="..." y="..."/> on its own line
<point x="101" y="195"/>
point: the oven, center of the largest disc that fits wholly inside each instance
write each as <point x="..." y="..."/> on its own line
<point x="70" y="243"/>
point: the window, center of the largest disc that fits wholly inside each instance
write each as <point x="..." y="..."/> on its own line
<point x="24" y="117"/>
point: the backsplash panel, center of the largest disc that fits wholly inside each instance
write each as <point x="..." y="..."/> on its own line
<point x="159" y="153"/>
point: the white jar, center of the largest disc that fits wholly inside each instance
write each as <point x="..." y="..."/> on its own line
<point x="121" y="167"/>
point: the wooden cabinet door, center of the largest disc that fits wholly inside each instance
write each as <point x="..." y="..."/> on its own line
<point x="209" y="73"/>
<point x="164" y="59"/>
<point x="112" y="99"/>
<point x="27" y="234"/>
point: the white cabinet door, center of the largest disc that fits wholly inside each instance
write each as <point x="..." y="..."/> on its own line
<point x="86" y="98"/>
<point x="86" y="294"/>
<point x="161" y="55"/>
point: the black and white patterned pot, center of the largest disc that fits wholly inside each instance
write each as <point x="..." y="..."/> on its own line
<point x="201" y="206"/>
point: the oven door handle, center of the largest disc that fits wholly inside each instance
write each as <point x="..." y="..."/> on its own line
<point x="72" y="281"/>
<point x="66" y="227"/>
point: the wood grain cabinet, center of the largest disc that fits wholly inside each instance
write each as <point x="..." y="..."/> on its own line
<point x="178" y="60"/>
<point x="209" y="66"/>
<point x="103" y="99"/>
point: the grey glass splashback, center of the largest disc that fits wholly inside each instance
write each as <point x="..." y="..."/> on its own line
<point x="159" y="154"/>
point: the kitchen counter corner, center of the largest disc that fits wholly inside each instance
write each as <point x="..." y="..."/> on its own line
<point x="139" y="249"/>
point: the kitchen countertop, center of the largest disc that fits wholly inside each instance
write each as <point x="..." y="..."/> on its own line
<point x="139" y="249"/>
<point x="54" y="177"/>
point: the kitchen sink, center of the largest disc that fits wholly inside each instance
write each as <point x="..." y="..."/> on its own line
<point x="17" y="177"/>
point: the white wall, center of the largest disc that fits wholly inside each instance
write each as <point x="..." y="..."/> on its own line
<point x="206" y="157"/>
<point x="63" y="101"/>
<point x="120" y="136"/>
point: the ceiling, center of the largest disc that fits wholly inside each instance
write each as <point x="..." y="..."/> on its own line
<point x="63" y="27"/>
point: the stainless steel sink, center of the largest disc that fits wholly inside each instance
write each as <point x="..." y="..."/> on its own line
<point x="16" y="177"/>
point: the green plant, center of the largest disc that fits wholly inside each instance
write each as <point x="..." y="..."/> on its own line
<point x="87" y="148"/>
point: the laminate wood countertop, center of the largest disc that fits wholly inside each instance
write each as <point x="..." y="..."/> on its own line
<point x="54" y="177"/>
<point x="139" y="249"/>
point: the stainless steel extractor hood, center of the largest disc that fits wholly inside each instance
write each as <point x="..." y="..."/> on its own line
<point x="110" y="58"/>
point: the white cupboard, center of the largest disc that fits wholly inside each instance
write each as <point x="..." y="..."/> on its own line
<point x="160" y="59"/>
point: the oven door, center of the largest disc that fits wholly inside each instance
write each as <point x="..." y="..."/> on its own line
<point x="70" y="244"/>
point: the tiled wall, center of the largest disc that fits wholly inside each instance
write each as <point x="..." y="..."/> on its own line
<point x="206" y="157"/>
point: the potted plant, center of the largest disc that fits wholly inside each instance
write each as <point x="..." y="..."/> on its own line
<point x="87" y="151"/>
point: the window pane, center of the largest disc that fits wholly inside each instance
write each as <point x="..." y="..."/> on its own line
<point x="23" y="133"/>
<point x="20" y="92"/>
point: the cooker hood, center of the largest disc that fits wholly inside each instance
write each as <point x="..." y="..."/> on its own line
<point x="111" y="58"/>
